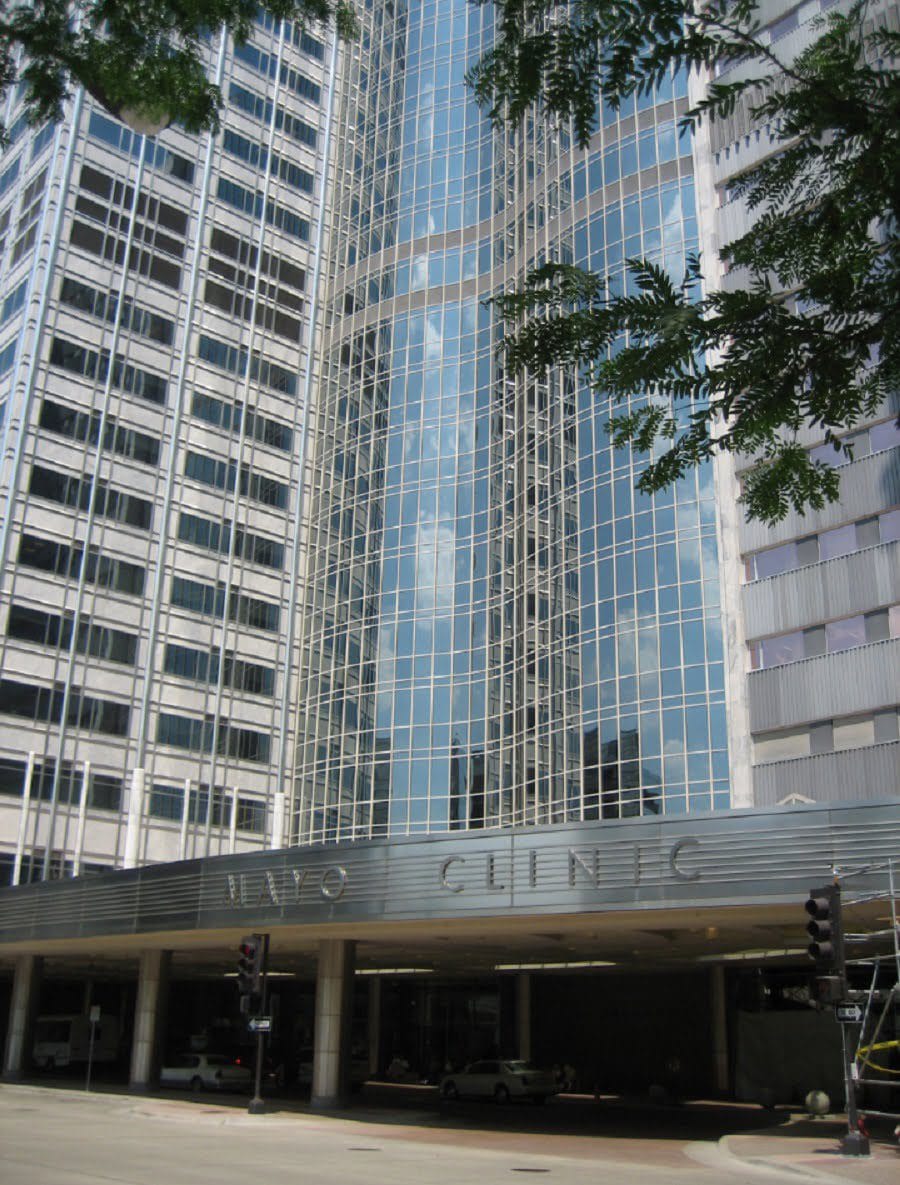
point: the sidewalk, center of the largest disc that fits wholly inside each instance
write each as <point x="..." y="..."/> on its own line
<point x="805" y="1145"/>
<point x="777" y="1146"/>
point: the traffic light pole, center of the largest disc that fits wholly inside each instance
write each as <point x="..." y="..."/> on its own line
<point x="826" y="929"/>
<point x="856" y="1142"/>
<point x="257" y="1105"/>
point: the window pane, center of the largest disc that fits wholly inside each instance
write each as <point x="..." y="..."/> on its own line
<point x="889" y="526"/>
<point x="884" y="436"/>
<point x="775" y="560"/>
<point x="838" y="542"/>
<point x="781" y="746"/>
<point x="786" y="648"/>
<point x="842" y="635"/>
<point x="854" y="732"/>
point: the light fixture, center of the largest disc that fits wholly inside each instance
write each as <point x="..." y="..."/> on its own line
<point x="570" y="966"/>
<point x="144" y="121"/>
<point x="395" y="971"/>
<point x="747" y="955"/>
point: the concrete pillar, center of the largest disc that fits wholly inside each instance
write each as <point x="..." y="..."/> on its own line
<point x="232" y="825"/>
<point x="22" y="1011"/>
<point x="149" y="1017"/>
<point x="78" y="854"/>
<point x="374" y="1022"/>
<point x="134" y="819"/>
<point x="23" y="822"/>
<point x="185" y="815"/>
<point x="331" y="1042"/>
<point x="523" y="1014"/>
<point x="278" y="812"/>
<point x="719" y="1031"/>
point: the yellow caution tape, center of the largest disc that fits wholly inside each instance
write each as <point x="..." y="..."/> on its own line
<point x="867" y="1049"/>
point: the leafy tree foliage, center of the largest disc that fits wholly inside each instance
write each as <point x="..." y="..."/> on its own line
<point x="807" y="330"/>
<point x="140" y="58"/>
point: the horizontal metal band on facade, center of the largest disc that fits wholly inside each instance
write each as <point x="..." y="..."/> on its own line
<point x="627" y="864"/>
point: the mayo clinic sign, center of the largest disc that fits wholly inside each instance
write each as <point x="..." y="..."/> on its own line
<point x="608" y="865"/>
<point x="454" y="874"/>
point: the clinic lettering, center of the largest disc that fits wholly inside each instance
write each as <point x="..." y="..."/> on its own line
<point x="585" y="869"/>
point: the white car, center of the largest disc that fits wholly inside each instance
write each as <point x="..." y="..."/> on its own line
<point x="206" y="1071"/>
<point x="500" y="1081"/>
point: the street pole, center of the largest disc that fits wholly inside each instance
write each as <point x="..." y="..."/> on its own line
<point x="855" y="1143"/>
<point x="94" y="1017"/>
<point x="256" y="1105"/>
<point x="87" y="1081"/>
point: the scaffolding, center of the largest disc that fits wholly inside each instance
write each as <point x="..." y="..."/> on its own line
<point x="873" y="1062"/>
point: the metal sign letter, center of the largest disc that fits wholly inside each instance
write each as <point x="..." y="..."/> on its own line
<point x="677" y="849"/>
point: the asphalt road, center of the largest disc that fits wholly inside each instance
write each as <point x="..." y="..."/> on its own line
<point x="56" y="1137"/>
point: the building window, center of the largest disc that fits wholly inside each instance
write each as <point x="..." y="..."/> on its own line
<point x="105" y="792"/>
<point x="14" y="302"/>
<point x="90" y="364"/>
<point x="828" y="736"/>
<point x="166" y="802"/>
<point x="248" y="676"/>
<point x="209" y="601"/>
<point x="251" y="815"/>
<point x="8" y="356"/>
<point x="12" y="778"/>
<point x="204" y="532"/>
<point x="69" y="783"/>
<point x="256" y="549"/>
<point x="205" y="599"/>
<point x="60" y="487"/>
<point x="267" y="64"/>
<point x="261" y="109"/>
<point x="827" y="545"/>
<point x="874" y="439"/>
<point x="104" y="305"/>
<point x="251" y="202"/>
<point x="829" y="638"/>
<point x="187" y="663"/>
<point x="117" y="136"/>
<point x="104" y="570"/>
<point x="45" y="704"/>
<point x="234" y="360"/>
<point x="196" y="735"/>
<point x="83" y="426"/>
<point x="853" y="732"/>
<point x="229" y="415"/>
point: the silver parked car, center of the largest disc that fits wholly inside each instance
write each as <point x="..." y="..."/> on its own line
<point x="500" y="1081"/>
<point x="209" y="1071"/>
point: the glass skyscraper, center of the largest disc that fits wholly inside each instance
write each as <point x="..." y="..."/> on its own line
<point x="501" y="629"/>
<point x="290" y="556"/>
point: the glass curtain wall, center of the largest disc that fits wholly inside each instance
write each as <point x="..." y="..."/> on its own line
<point x="500" y="630"/>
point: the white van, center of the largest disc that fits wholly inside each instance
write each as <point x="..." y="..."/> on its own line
<point x="63" y="1040"/>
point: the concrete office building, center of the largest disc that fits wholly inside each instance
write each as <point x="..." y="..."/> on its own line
<point x="297" y="575"/>
<point x="159" y="319"/>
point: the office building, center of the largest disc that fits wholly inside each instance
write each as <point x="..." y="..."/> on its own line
<point x="159" y="326"/>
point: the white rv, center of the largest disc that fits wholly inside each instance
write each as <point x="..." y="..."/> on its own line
<point x="61" y="1040"/>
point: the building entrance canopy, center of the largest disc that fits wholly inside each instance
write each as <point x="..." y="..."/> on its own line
<point x="718" y="885"/>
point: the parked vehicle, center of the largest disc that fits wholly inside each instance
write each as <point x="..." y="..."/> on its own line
<point x="500" y="1081"/>
<point x="206" y="1071"/>
<point x="66" y="1039"/>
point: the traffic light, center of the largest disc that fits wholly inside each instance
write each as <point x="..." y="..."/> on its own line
<point x="250" y="967"/>
<point x="828" y="989"/>
<point x="825" y="928"/>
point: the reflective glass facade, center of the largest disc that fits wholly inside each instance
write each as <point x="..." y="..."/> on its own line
<point x="499" y="630"/>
